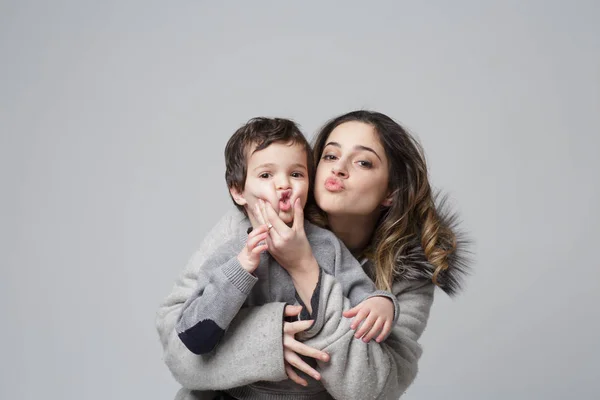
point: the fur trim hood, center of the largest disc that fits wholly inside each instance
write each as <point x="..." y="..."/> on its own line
<point x="413" y="265"/>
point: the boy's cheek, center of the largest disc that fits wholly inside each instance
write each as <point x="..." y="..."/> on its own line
<point x="265" y="193"/>
<point x="303" y="199"/>
<point x="272" y="199"/>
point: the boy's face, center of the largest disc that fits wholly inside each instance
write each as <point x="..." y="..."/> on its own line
<point x="277" y="174"/>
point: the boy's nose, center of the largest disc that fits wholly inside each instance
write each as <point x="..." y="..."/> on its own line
<point x="282" y="183"/>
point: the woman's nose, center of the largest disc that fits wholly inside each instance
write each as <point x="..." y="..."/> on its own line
<point x="339" y="171"/>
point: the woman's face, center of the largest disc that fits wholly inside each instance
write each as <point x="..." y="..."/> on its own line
<point x="352" y="174"/>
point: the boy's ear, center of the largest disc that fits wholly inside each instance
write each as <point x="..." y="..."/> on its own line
<point x="389" y="199"/>
<point x="237" y="197"/>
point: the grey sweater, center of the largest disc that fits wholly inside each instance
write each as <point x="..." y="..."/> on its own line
<point x="224" y="287"/>
<point x="357" y="370"/>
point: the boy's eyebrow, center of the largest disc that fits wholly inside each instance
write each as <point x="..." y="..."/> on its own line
<point x="357" y="147"/>
<point x="271" y="165"/>
<point x="298" y="165"/>
<point x="265" y="165"/>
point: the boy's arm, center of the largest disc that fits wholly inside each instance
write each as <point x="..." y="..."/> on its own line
<point x="256" y="330"/>
<point x="335" y="259"/>
<point x="223" y="286"/>
<point x="224" y="283"/>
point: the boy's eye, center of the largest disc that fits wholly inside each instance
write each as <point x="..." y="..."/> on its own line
<point x="264" y="175"/>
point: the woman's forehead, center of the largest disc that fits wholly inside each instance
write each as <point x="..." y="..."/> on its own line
<point x="356" y="136"/>
<point x="354" y="133"/>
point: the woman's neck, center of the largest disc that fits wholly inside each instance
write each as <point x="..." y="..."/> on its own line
<point x="354" y="230"/>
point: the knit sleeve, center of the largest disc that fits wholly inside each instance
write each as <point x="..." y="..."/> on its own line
<point x="359" y="370"/>
<point x="221" y="293"/>
<point x="335" y="259"/>
<point x="256" y="330"/>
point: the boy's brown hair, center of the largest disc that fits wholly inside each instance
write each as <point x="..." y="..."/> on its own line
<point x="262" y="132"/>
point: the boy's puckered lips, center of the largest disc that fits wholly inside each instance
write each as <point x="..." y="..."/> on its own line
<point x="284" y="200"/>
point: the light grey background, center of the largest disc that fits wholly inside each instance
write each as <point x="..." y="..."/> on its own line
<point x="114" y="116"/>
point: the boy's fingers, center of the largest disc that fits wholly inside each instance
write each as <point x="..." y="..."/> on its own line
<point x="387" y="327"/>
<point x="362" y="314"/>
<point x="260" y="249"/>
<point x="374" y="330"/>
<point x="294" y="376"/>
<point x="351" y="312"/>
<point x="259" y="230"/>
<point x="292" y="311"/>
<point x="253" y="241"/>
<point x="365" y="327"/>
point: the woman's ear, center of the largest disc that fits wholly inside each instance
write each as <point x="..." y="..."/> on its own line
<point x="389" y="199"/>
<point x="237" y="197"/>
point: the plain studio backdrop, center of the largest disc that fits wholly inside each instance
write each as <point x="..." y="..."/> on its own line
<point x="114" y="117"/>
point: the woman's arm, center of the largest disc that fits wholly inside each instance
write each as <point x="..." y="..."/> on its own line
<point x="253" y="333"/>
<point x="359" y="370"/>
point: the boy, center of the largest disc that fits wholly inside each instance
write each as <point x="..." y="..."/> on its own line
<point x="270" y="160"/>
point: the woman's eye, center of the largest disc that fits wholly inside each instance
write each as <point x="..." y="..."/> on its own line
<point x="329" y="157"/>
<point x="365" y="164"/>
<point x="264" y="175"/>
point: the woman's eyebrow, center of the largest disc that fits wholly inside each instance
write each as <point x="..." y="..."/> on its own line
<point x="357" y="147"/>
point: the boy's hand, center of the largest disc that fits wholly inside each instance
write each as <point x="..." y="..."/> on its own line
<point x="249" y="257"/>
<point x="378" y="316"/>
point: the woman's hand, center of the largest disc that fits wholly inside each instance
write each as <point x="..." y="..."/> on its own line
<point x="292" y="348"/>
<point x="290" y="248"/>
<point x="288" y="245"/>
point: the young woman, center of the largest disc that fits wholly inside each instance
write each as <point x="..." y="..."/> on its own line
<point x="372" y="190"/>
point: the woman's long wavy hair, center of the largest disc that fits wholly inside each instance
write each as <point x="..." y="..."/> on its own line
<point x="412" y="215"/>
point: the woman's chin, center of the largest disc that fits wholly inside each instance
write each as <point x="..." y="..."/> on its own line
<point x="330" y="205"/>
